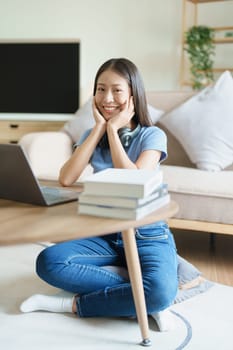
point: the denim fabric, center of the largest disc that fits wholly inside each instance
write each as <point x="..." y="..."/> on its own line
<point x="78" y="266"/>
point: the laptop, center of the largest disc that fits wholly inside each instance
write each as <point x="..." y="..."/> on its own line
<point x="18" y="183"/>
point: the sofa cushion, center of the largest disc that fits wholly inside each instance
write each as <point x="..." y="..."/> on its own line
<point x="204" y="123"/>
<point x="84" y="120"/>
<point x="47" y="152"/>
<point x="201" y="195"/>
<point x="176" y="153"/>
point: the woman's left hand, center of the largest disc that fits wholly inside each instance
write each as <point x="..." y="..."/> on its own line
<point x="125" y="115"/>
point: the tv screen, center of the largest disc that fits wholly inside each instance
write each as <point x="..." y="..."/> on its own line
<point x="39" y="77"/>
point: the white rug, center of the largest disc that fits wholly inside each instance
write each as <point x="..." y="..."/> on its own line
<point x="204" y="322"/>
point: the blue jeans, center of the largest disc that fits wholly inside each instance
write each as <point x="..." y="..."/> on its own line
<point x="77" y="266"/>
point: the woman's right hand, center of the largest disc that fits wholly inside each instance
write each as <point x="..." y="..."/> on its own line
<point x="99" y="119"/>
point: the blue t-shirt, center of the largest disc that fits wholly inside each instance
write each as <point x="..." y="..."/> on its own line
<point x="148" y="138"/>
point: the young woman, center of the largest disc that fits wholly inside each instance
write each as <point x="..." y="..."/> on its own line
<point x="123" y="137"/>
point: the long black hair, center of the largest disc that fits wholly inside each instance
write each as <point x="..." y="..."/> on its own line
<point x="130" y="72"/>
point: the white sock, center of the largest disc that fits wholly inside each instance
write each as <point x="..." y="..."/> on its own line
<point x="165" y="320"/>
<point x="61" y="302"/>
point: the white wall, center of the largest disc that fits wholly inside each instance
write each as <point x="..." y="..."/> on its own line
<point x="146" y="31"/>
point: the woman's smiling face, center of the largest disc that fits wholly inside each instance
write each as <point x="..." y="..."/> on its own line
<point x="112" y="92"/>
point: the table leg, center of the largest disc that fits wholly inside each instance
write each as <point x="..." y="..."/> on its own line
<point x="135" y="276"/>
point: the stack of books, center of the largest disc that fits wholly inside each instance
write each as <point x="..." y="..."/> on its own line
<point x="123" y="193"/>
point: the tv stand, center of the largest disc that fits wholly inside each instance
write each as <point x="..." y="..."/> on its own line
<point x="14" y="125"/>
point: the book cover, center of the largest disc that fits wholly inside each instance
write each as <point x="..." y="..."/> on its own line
<point x="123" y="202"/>
<point x="124" y="213"/>
<point x="134" y="183"/>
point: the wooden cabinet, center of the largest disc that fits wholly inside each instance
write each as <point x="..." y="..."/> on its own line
<point x="191" y="18"/>
<point x="12" y="130"/>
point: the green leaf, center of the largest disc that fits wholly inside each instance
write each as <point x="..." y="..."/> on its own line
<point x="200" y="49"/>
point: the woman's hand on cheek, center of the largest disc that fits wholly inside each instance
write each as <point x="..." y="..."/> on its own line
<point x="124" y="117"/>
<point x="99" y="119"/>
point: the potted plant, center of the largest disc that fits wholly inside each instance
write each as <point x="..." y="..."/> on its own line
<point x="200" y="48"/>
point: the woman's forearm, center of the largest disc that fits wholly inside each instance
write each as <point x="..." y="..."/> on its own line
<point x="73" y="168"/>
<point x="120" y="158"/>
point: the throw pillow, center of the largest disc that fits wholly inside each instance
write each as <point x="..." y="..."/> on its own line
<point x="84" y="120"/>
<point x="203" y="125"/>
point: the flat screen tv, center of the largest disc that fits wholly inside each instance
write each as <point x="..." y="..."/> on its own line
<point x="39" y="77"/>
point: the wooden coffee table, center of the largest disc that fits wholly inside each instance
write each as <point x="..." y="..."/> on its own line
<point x="25" y="223"/>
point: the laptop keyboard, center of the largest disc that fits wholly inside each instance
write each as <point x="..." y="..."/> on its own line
<point x="54" y="194"/>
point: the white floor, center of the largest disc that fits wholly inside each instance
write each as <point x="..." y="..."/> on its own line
<point x="204" y="322"/>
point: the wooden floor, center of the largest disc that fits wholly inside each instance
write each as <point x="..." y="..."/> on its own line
<point x="215" y="264"/>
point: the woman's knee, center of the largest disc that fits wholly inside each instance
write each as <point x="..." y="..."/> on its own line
<point x="160" y="295"/>
<point x="45" y="262"/>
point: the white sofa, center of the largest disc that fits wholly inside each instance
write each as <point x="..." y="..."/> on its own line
<point x="205" y="197"/>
